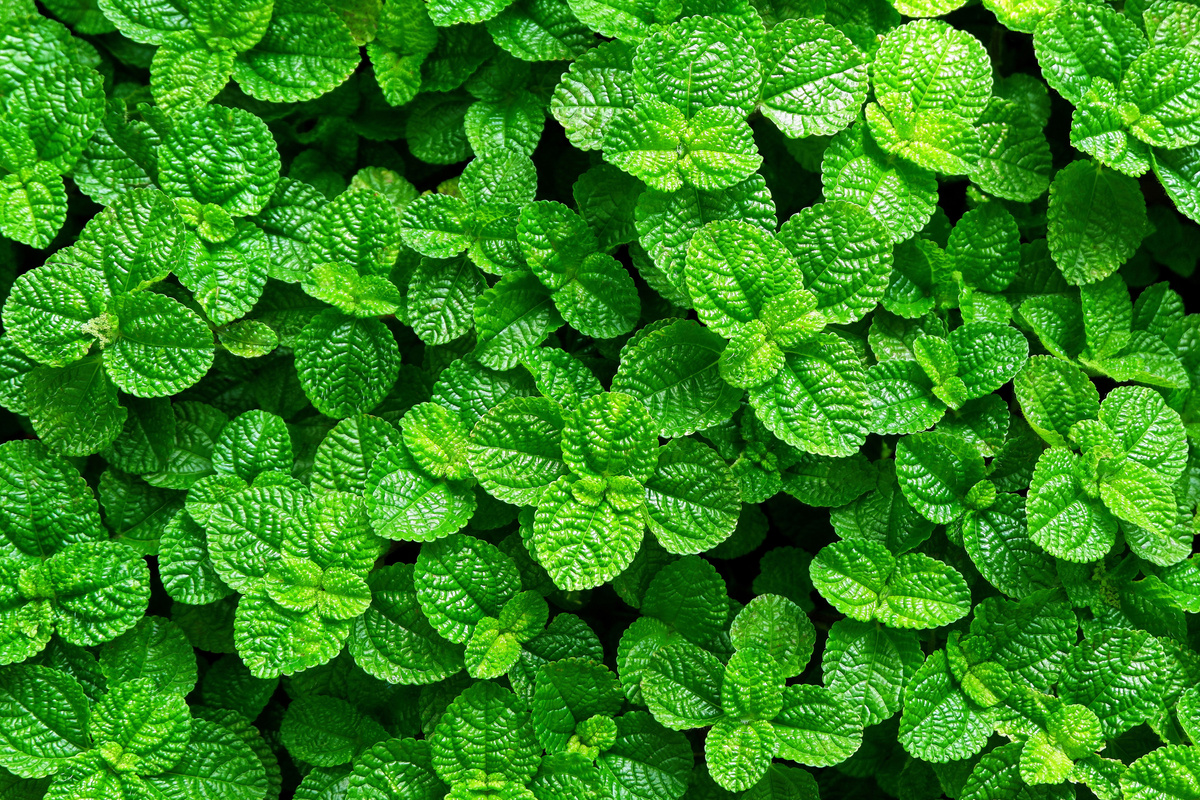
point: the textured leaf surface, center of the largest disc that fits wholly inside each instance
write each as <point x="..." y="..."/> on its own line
<point x="815" y="81"/>
<point x="818" y="400"/>
<point x="222" y="156"/>
<point x="304" y="53"/>
<point x="673" y="372"/>
<point x="346" y="365"/>
<point x="1097" y="218"/>
<point x="485" y="734"/>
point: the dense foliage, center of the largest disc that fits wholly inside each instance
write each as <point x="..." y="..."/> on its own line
<point x="590" y="399"/>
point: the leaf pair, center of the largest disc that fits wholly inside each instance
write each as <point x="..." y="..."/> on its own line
<point x="754" y="717"/>
<point x="806" y="386"/>
<point x="972" y="362"/>
<point x="133" y="739"/>
<point x="60" y="573"/>
<point x="470" y="592"/>
<point x="598" y="478"/>
<point x="97" y="294"/>
<point x="300" y="563"/>
<point x="285" y="51"/>
<point x="1130" y="457"/>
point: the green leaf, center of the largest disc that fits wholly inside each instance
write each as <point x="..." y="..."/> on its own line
<point x="231" y="24"/>
<point x="1063" y="518"/>
<point x="673" y="371"/>
<point x="217" y="760"/>
<point x="883" y="515"/>
<point x="646" y="762"/>
<point x="144" y="727"/>
<point x="273" y="640"/>
<point x="1150" y="432"/>
<point x="777" y="626"/>
<point x="1179" y="173"/>
<point x="138" y="240"/>
<point x="74" y="409"/>
<point x="56" y="312"/>
<point x="359" y="227"/>
<point x="220" y="155"/>
<point x="304" y="53"/>
<point x="998" y="542"/>
<point x="985" y="247"/>
<point x="395" y="768"/>
<point x="515" y="450"/>
<point x="597" y="90"/>
<point x="288" y="220"/>
<point x="40" y="744"/>
<point x="46" y="504"/>
<point x="1079" y="41"/>
<point x="485" y="735"/>
<point x="1014" y="160"/>
<point x="568" y="692"/>
<point x="327" y="731"/>
<point x="60" y="106"/>
<point x="156" y="650"/>
<point x="869" y="665"/>
<point x="816" y="727"/>
<point x="688" y="597"/>
<point x="512" y="317"/>
<point x="161" y="346"/>
<point x="441" y="298"/>
<point x="936" y="66"/>
<point x="540" y="30"/>
<point x="808" y="59"/>
<point x="817" y="402"/>
<point x="844" y="256"/>
<point x="585" y="543"/>
<point x="733" y="268"/>
<point x="515" y="123"/>
<point x="738" y="753"/>
<point x="407" y="504"/>
<point x="938" y="725"/>
<point x="630" y="20"/>
<point x="902" y="398"/>
<point x="345" y="289"/>
<point x="932" y="138"/>
<point x="100" y="590"/>
<point x="899" y="194"/>
<point x="253" y="443"/>
<point x="1097" y="128"/>
<point x="692" y="500"/>
<point x="937" y="472"/>
<point x="714" y="150"/>
<point x="682" y="686"/>
<point x="1139" y="495"/>
<point x="393" y="640"/>
<point x="697" y="63"/>
<point x="608" y="435"/>
<point x="453" y="12"/>
<point x="1119" y="674"/>
<point x="1096" y="219"/>
<point x="864" y="581"/>
<point x="1054" y="395"/>
<point x="33" y="204"/>
<point x="184" y="563"/>
<point x="346" y="365"/>
<point x="460" y="580"/>
<point x="185" y="74"/>
<point x="1169" y="772"/>
<point x="667" y="221"/>
<point x="561" y="376"/>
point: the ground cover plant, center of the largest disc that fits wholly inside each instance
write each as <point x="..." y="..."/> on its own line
<point x="581" y="399"/>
